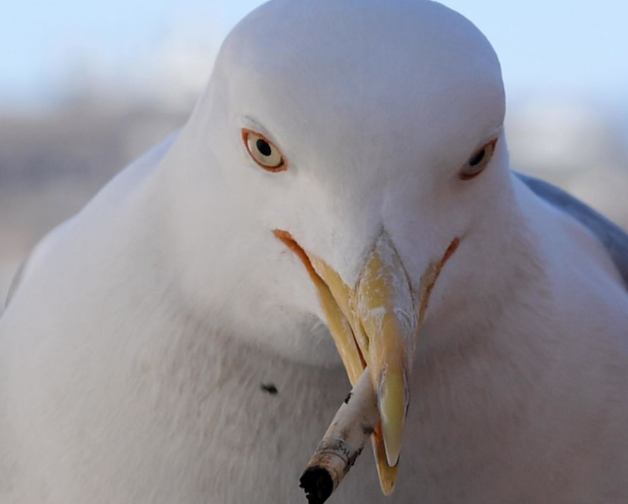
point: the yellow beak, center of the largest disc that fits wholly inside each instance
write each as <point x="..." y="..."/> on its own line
<point x="374" y="324"/>
<point x="388" y="324"/>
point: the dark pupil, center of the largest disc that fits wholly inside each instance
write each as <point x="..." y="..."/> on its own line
<point x="477" y="159"/>
<point x="264" y="147"/>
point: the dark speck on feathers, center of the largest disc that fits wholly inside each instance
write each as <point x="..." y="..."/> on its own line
<point x="269" y="388"/>
<point x="368" y="430"/>
<point x="348" y="398"/>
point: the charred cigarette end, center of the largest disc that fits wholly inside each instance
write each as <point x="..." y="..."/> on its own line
<point x="343" y="442"/>
<point x="317" y="484"/>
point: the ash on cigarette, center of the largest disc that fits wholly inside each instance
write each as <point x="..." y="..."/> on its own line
<point x="367" y="430"/>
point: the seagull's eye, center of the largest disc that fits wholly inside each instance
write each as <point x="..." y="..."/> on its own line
<point x="263" y="152"/>
<point x="478" y="161"/>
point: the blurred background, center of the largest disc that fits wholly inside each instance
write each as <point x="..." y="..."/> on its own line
<point x="85" y="87"/>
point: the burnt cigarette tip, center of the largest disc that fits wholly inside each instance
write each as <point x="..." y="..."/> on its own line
<point x="317" y="484"/>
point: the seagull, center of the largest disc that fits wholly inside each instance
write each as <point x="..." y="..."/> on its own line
<point x="340" y="199"/>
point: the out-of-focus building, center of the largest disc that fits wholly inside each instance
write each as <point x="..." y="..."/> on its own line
<point x="52" y="164"/>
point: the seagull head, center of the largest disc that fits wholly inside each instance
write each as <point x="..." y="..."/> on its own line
<point x="351" y="159"/>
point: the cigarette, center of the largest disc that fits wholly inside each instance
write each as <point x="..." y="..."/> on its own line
<point x="343" y="442"/>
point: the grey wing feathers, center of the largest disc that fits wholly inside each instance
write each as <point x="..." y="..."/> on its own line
<point x="614" y="239"/>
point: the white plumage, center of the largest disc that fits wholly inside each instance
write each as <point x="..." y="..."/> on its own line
<point x="133" y="347"/>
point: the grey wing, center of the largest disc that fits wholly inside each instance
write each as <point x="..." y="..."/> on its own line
<point x="614" y="239"/>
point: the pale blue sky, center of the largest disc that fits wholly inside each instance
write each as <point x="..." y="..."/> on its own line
<point x="552" y="48"/>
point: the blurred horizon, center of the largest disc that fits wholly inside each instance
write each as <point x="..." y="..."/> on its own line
<point x="87" y="87"/>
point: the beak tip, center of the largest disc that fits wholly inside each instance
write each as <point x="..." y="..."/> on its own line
<point x="392" y="405"/>
<point x="392" y="462"/>
<point x="392" y="444"/>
